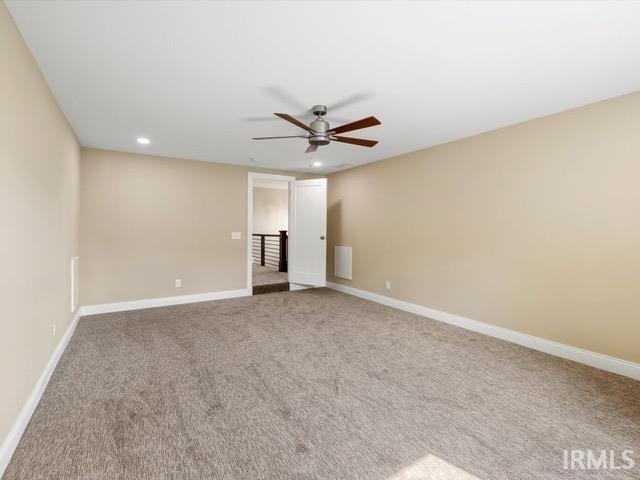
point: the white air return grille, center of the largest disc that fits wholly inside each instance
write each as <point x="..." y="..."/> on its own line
<point x="342" y="262"/>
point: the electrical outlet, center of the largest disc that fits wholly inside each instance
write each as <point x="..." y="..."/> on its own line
<point x="178" y="282"/>
<point x="387" y="285"/>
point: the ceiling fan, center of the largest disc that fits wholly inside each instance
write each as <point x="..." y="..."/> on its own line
<point x="321" y="134"/>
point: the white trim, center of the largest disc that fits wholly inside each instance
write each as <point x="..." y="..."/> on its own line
<point x="162" y="302"/>
<point x="593" y="359"/>
<point x="251" y="177"/>
<point x="75" y="283"/>
<point x="13" y="437"/>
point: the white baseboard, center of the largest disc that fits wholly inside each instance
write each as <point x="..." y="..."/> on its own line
<point x="593" y="359"/>
<point x="13" y="437"/>
<point x="162" y="302"/>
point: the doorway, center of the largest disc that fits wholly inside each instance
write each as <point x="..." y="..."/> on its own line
<point x="286" y="247"/>
<point x="269" y="236"/>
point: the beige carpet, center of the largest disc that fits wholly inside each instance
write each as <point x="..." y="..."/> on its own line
<point x="319" y="385"/>
<point x="267" y="275"/>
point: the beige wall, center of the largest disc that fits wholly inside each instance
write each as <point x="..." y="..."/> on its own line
<point x="270" y="210"/>
<point x="38" y="220"/>
<point x="146" y="221"/>
<point x="533" y="227"/>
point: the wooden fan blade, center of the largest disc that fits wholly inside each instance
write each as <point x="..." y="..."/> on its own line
<point x="311" y="148"/>
<point x="357" y="125"/>
<point x="269" y="138"/>
<point x="355" y="141"/>
<point x="298" y="123"/>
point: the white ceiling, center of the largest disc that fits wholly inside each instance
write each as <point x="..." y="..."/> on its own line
<point x="196" y="77"/>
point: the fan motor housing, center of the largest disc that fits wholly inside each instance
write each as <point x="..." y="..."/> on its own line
<point x="320" y="129"/>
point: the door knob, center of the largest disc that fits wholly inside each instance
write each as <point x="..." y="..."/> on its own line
<point x="321" y="237"/>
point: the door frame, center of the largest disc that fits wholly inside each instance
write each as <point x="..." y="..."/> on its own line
<point x="251" y="177"/>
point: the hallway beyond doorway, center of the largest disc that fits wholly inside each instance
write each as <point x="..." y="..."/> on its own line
<point x="268" y="279"/>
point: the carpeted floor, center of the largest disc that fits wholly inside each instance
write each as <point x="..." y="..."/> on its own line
<point x="317" y="385"/>
<point x="267" y="275"/>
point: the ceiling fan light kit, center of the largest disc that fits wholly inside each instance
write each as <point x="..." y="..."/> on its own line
<point x="320" y="132"/>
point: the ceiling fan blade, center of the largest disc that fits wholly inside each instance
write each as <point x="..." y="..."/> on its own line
<point x="355" y="141"/>
<point x="270" y="138"/>
<point x="311" y="148"/>
<point x="289" y="118"/>
<point x="357" y="125"/>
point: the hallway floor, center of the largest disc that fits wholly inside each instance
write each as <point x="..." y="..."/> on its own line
<point x="267" y="275"/>
<point x="268" y="280"/>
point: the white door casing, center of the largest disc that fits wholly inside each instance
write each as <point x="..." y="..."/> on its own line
<point x="252" y="177"/>
<point x="308" y="230"/>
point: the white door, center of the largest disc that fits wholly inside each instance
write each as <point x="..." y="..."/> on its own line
<point x="308" y="230"/>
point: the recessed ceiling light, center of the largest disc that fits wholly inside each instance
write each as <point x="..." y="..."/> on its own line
<point x="316" y="164"/>
<point x="143" y="141"/>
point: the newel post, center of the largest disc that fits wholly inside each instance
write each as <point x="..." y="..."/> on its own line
<point x="282" y="264"/>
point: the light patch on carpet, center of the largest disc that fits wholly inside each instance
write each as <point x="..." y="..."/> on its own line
<point x="431" y="467"/>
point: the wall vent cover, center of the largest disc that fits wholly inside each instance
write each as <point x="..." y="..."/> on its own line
<point x="342" y="262"/>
